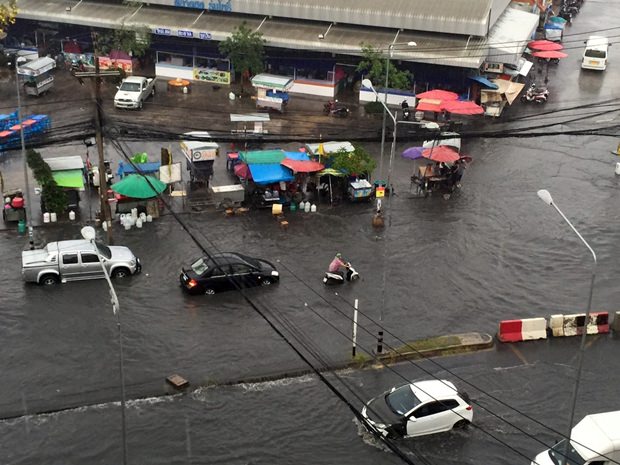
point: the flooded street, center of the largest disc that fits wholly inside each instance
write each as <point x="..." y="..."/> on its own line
<point x="493" y="251"/>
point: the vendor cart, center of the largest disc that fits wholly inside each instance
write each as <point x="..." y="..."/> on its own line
<point x="14" y="206"/>
<point x="200" y="153"/>
<point x="360" y="190"/>
<point x="228" y="196"/>
<point x="36" y="75"/>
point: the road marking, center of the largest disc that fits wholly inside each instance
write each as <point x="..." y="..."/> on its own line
<point x="518" y="353"/>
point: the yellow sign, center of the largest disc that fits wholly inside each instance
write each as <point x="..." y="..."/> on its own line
<point x="380" y="192"/>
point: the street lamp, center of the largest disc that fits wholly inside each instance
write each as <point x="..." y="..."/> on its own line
<point x="545" y="196"/>
<point x="387" y="76"/>
<point x="19" y="60"/>
<point x="88" y="233"/>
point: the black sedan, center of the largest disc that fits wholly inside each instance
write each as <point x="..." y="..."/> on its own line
<point x="226" y="271"/>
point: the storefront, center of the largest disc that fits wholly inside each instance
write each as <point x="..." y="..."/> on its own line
<point x="193" y="67"/>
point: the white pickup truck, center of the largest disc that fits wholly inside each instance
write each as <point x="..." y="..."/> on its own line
<point x="133" y="91"/>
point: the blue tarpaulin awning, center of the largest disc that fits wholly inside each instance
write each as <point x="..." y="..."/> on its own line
<point x="302" y="156"/>
<point x="268" y="173"/>
<point x="484" y="81"/>
<point x="143" y="168"/>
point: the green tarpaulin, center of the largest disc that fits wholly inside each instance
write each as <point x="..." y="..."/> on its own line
<point x="262" y="157"/>
<point x="69" y="178"/>
<point x="139" y="187"/>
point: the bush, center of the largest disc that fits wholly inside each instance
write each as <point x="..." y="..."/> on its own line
<point x="373" y="107"/>
<point x="53" y="197"/>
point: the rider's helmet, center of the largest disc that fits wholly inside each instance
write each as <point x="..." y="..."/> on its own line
<point x="338" y="255"/>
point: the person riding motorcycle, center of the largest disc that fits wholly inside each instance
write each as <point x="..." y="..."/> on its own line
<point x="337" y="263"/>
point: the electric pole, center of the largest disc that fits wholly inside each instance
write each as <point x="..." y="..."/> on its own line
<point x="97" y="75"/>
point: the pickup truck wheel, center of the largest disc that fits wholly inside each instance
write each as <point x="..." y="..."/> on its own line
<point x="120" y="273"/>
<point x="48" y="280"/>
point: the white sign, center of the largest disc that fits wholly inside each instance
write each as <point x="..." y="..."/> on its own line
<point x="170" y="173"/>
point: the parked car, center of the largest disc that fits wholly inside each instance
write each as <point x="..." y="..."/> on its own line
<point x="133" y="91"/>
<point x="226" y="271"/>
<point x="77" y="260"/>
<point x="417" y="409"/>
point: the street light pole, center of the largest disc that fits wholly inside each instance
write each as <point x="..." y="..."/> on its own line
<point x="545" y="196"/>
<point x="385" y="110"/>
<point x="88" y="233"/>
<point x="19" y="60"/>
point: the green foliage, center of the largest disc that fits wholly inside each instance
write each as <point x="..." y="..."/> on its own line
<point x="373" y="107"/>
<point x="135" y="41"/>
<point x="246" y="51"/>
<point x="358" y="162"/>
<point x="8" y="12"/>
<point x="373" y="65"/>
<point x="54" y="198"/>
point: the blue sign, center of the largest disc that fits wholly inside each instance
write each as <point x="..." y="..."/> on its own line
<point x="190" y="4"/>
<point x="162" y="31"/>
<point x="182" y="33"/>
<point x="219" y="5"/>
<point x="205" y="35"/>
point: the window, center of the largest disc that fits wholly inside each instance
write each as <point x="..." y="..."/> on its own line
<point x="69" y="259"/>
<point x="88" y="257"/>
<point x="240" y="268"/>
<point x="433" y="408"/>
<point x="220" y="270"/>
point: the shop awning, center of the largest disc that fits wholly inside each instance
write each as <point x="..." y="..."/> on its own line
<point x="271" y="81"/>
<point x="427" y="104"/>
<point x="37" y="67"/>
<point x="484" y="81"/>
<point x="268" y="173"/>
<point x="73" y="179"/>
<point x="125" y="168"/>
<point x="509" y="89"/>
<point x="302" y="166"/>
<point x="262" y="157"/>
<point x="296" y="155"/>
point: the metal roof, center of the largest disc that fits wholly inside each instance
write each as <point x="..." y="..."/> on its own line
<point x="510" y="35"/>
<point x="441" y="49"/>
<point x="467" y="17"/>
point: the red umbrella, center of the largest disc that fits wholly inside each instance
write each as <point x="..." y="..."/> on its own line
<point x="462" y="107"/>
<point x="442" y="153"/>
<point x="438" y="94"/>
<point x="550" y="54"/>
<point x="302" y="166"/>
<point x="544" y="45"/>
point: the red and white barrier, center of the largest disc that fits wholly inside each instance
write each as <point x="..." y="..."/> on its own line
<point x="526" y="329"/>
<point x="572" y="325"/>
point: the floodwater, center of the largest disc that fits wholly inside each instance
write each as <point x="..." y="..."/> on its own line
<point x="492" y="251"/>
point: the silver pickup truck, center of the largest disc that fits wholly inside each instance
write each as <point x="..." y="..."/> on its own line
<point x="77" y="260"/>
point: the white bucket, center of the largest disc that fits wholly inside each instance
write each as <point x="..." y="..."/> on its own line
<point x="134" y="213"/>
<point x="307" y="207"/>
<point x="71" y="215"/>
<point x="127" y="225"/>
<point x="618" y="168"/>
<point x="139" y="223"/>
<point x="104" y="225"/>
<point x="142" y="217"/>
<point x="123" y="218"/>
<point x="149" y="218"/>
<point x="46" y="217"/>
<point x="53" y="217"/>
<point x="302" y="205"/>
<point x="313" y="208"/>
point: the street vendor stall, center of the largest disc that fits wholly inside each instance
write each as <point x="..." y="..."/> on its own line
<point x="36" y="75"/>
<point x="138" y="191"/>
<point x="69" y="174"/>
<point x="271" y="91"/>
<point x="200" y="152"/>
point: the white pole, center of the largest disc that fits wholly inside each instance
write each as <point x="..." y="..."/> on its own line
<point x="355" y="306"/>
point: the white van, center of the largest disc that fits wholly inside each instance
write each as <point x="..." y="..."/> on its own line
<point x="595" y="54"/>
<point x="595" y="440"/>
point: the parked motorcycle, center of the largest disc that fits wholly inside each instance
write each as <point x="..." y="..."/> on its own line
<point x="336" y="109"/>
<point x="339" y="277"/>
<point x="535" y="94"/>
<point x="406" y="112"/>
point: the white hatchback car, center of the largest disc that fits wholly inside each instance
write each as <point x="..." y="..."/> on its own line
<point x="417" y="409"/>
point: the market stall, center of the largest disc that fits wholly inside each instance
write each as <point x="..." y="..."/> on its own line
<point x="69" y="173"/>
<point x="271" y="91"/>
<point x="37" y="75"/>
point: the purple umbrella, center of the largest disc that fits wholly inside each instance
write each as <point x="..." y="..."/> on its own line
<point x="413" y="153"/>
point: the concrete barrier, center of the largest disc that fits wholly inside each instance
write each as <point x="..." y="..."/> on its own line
<point x="572" y="325"/>
<point x="526" y="329"/>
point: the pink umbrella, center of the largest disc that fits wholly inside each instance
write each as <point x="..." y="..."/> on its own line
<point x="438" y="94"/>
<point x="462" y="107"/>
<point x="243" y="171"/>
<point x="550" y="54"/>
<point x="544" y="45"/>
<point x="427" y="104"/>
<point x="442" y="153"/>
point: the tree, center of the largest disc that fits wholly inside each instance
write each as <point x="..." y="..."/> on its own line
<point x="134" y="41"/>
<point x="373" y="65"/>
<point x="53" y="197"/>
<point x="245" y="50"/>
<point x="356" y="163"/>
<point x="8" y="12"/>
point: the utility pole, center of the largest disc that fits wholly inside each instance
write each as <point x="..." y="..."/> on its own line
<point x="97" y="75"/>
